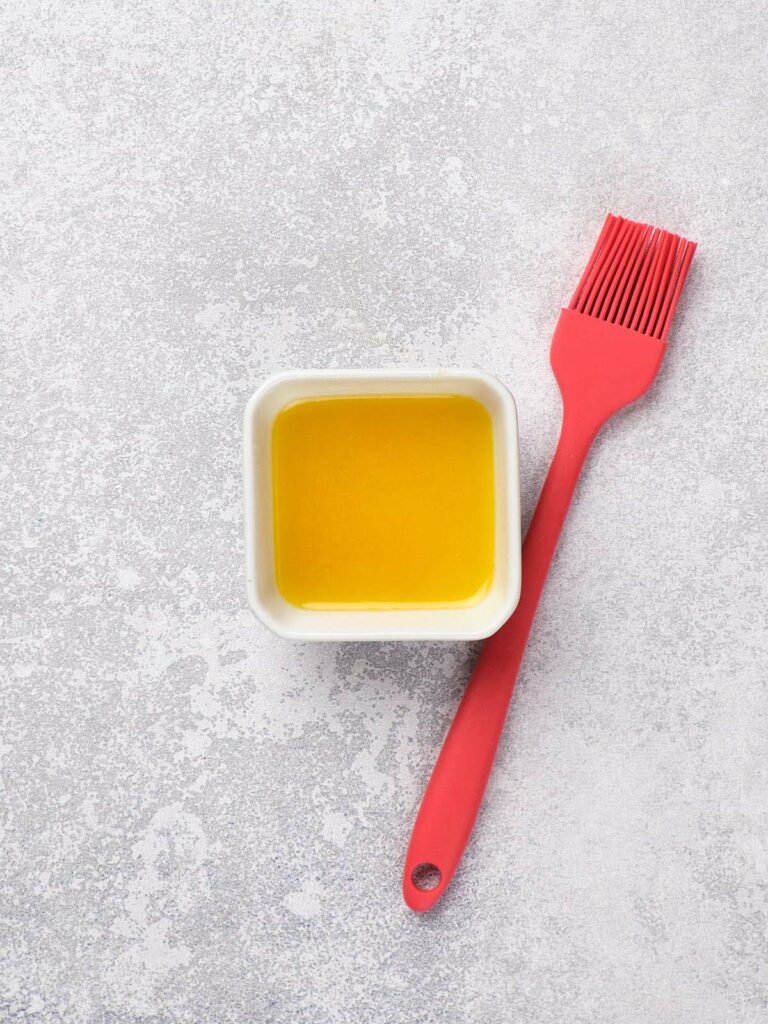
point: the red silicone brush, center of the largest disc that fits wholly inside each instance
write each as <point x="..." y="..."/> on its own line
<point x="607" y="348"/>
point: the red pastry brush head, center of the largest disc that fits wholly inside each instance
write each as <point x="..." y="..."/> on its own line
<point x="609" y="342"/>
<point x="634" y="277"/>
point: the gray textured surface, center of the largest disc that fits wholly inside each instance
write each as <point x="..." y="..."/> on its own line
<point x="203" y="823"/>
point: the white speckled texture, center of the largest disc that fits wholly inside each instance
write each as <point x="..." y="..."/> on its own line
<point x="204" y="824"/>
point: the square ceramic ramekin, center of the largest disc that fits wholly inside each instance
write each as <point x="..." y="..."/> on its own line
<point x="452" y="623"/>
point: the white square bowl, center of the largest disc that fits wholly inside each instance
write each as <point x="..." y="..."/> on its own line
<point x="459" y="623"/>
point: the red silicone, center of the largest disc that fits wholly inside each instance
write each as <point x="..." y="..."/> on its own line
<point x="606" y="350"/>
<point x="600" y="367"/>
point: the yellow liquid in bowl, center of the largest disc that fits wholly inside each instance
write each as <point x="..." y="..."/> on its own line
<point x="383" y="501"/>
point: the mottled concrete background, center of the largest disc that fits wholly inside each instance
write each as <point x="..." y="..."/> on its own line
<point x="204" y="824"/>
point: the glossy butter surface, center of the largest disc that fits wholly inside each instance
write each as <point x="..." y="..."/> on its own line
<point x="383" y="501"/>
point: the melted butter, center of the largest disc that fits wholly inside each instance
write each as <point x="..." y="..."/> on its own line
<point x="383" y="501"/>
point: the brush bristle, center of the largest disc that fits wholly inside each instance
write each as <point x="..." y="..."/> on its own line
<point x="634" y="277"/>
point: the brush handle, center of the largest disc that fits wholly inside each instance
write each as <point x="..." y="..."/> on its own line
<point x="455" y="790"/>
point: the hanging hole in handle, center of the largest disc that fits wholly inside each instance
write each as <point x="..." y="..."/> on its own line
<point x="426" y="877"/>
